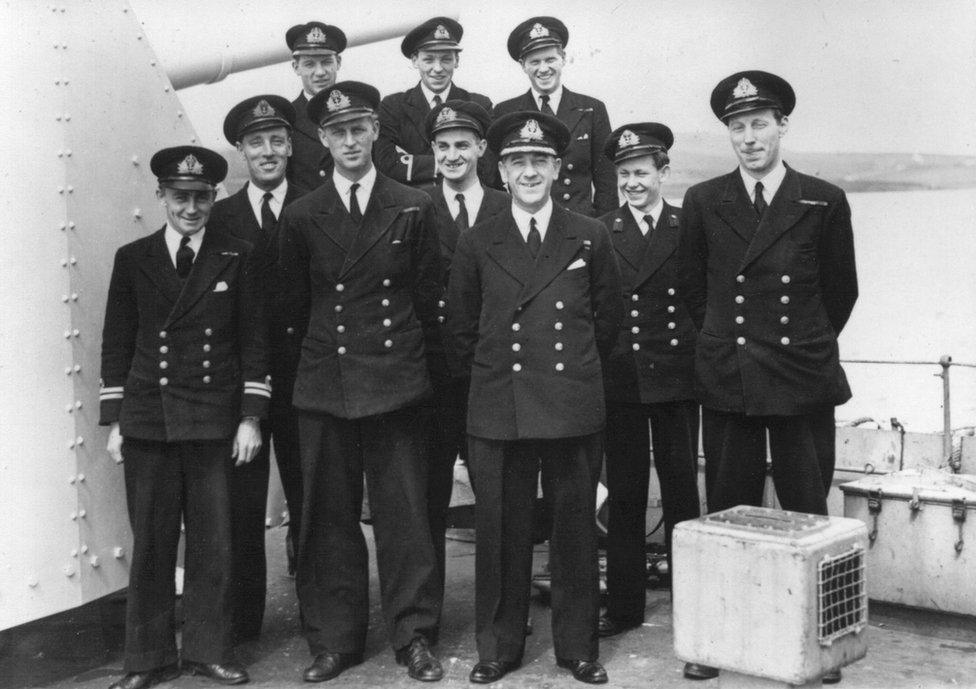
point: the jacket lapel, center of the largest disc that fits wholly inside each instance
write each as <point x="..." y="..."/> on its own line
<point x="381" y="210"/>
<point x="570" y="110"/>
<point x="782" y="214"/>
<point x="447" y="231"/>
<point x="736" y="209"/>
<point x="302" y="123"/>
<point x="509" y="250"/>
<point x="628" y="241"/>
<point x="327" y="217"/>
<point x="159" y="267"/>
<point x="493" y="203"/>
<point x="558" y="249"/>
<point x="213" y="260"/>
<point x="417" y="110"/>
<point x="664" y="242"/>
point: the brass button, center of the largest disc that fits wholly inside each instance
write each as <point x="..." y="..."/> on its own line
<point x="208" y="332"/>
<point x="740" y="340"/>
<point x="739" y="299"/>
<point x="635" y="330"/>
<point x="559" y="346"/>
<point x="558" y="326"/>
<point x="290" y="331"/>
<point x="341" y="350"/>
<point x="635" y="313"/>
<point x="164" y="381"/>
<point x="163" y="364"/>
<point x="388" y="343"/>
<point x="559" y="366"/>
<point x="567" y="181"/>
<point x="516" y="347"/>
<point x="386" y="282"/>
<point x="207" y="379"/>
<point x="441" y="303"/>
<point x="566" y="197"/>
<point x="670" y="291"/>
<point x="162" y="334"/>
<point x="634" y="297"/>
<point x="516" y="367"/>
<point x="206" y="364"/>
<point x="740" y="278"/>
<point x="206" y="348"/>
<point x="786" y="279"/>
<point x="516" y="327"/>
<point x="340" y="287"/>
<point x="635" y="346"/>
<point x="387" y="322"/>
<point x="672" y="325"/>
<point x="338" y="308"/>
<point x="670" y="309"/>
<point x="784" y="320"/>
<point x="385" y="302"/>
<point x="740" y="320"/>
<point x="784" y="299"/>
<point x="785" y="340"/>
<point x="164" y="349"/>
<point x="340" y="328"/>
<point x="674" y="343"/>
<point x="440" y="319"/>
<point x="559" y="305"/>
<point x="569" y="166"/>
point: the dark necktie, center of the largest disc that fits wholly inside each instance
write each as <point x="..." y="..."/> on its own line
<point x="649" y="219"/>
<point x="268" y="219"/>
<point x="545" y="105"/>
<point x="184" y="258"/>
<point x="760" y="201"/>
<point x="357" y="215"/>
<point x="535" y="239"/>
<point x="437" y="100"/>
<point x="462" y="217"/>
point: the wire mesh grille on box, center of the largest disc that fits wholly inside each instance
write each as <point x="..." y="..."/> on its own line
<point x="841" y="595"/>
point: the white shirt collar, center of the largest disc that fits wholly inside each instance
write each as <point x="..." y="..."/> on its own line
<point x="173" y="239"/>
<point x="473" y="196"/>
<point x="554" y="98"/>
<point x="255" y="195"/>
<point x="771" y="182"/>
<point x="542" y="218"/>
<point x="655" y="213"/>
<point x="366" y="182"/>
<point x="429" y="95"/>
<point x="308" y="96"/>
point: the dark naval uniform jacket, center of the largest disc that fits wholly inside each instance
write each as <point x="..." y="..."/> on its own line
<point x="587" y="180"/>
<point x="533" y="333"/>
<point x="653" y="358"/>
<point x="439" y="346"/>
<point x="402" y="126"/>
<point x="184" y="361"/>
<point x="310" y="161"/>
<point x="367" y="295"/>
<point x="235" y="216"/>
<point x="770" y="296"/>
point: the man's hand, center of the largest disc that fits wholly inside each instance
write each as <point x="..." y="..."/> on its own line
<point x="247" y="442"/>
<point x="114" y="445"/>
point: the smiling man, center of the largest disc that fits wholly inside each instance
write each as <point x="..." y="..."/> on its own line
<point x="586" y="182"/>
<point x="260" y="128"/>
<point x="534" y="304"/>
<point x="768" y="253"/>
<point x="316" y="50"/>
<point x="184" y="387"/>
<point x="403" y="149"/>
<point x="359" y="268"/>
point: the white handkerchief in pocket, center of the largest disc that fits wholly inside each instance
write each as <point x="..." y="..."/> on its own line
<point x="578" y="263"/>
<point x="220" y="286"/>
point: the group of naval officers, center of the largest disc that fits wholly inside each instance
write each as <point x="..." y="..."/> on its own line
<point x="406" y="280"/>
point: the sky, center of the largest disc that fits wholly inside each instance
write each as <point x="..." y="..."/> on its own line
<point x="884" y="76"/>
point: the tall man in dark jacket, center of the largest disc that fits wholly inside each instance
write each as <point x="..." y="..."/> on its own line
<point x="456" y="130"/>
<point x="403" y="149"/>
<point x="260" y="127"/>
<point x="359" y="264"/>
<point x="769" y="253"/>
<point x="316" y="50"/>
<point x="184" y="386"/>
<point x="650" y="374"/>
<point x="535" y="303"/>
<point x="586" y="182"/>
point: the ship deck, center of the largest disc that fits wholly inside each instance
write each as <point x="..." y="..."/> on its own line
<point x="82" y="648"/>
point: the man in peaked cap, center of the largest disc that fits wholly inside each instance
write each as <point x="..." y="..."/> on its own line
<point x="769" y="254"/>
<point x="534" y="305"/>
<point x="184" y="386"/>
<point x="360" y="266"/>
<point x="403" y="149"/>
<point x="649" y="378"/>
<point x="586" y="183"/>
<point x="316" y="50"/>
<point x="260" y="128"/>
<point x="456" y="130"/>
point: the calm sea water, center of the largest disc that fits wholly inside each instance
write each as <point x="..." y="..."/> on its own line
<point x="916" y="257"/>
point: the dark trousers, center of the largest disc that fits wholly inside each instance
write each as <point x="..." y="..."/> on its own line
<point x="333" y="567"/>
<point x="249" y="500"/>
<point x="674" y="427"/>
<point x="508" y="472"/>
<point x="801" y="449"/>
<point x="165" y="482"/>
<point x="449" y="411"/>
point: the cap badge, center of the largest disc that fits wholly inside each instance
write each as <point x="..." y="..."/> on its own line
<point x="338" y="101"/>
<point x="446" y="115"/>
<point x="531" y="130"/>
<point x="316" y="35"/>
<point x="538" y="31"/>
<point x="440" y="33"/>
<point x="628" y="138"/>
<point x="190" y="166"/>
<point x="263" y="109"/>
<point x="745" y="89"/>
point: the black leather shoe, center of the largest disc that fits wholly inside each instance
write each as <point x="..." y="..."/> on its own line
<point x="832" y="677"/>
<point x="588" y="671"/>
<point x="699" y="671"/>
<point x="607" y="627"/>
<point x="144" y="680"/>
<point x="224" y="674"/>
<point x="488" y="671"/>
<point x="328" y="666"/>
<point x="421" y="663"/>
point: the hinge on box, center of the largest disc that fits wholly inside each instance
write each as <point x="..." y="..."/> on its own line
<point x="874" y="509"/>
<point x="959" y="516"/>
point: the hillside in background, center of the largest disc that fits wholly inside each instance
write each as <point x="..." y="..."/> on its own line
<point x="697" y="157"/>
